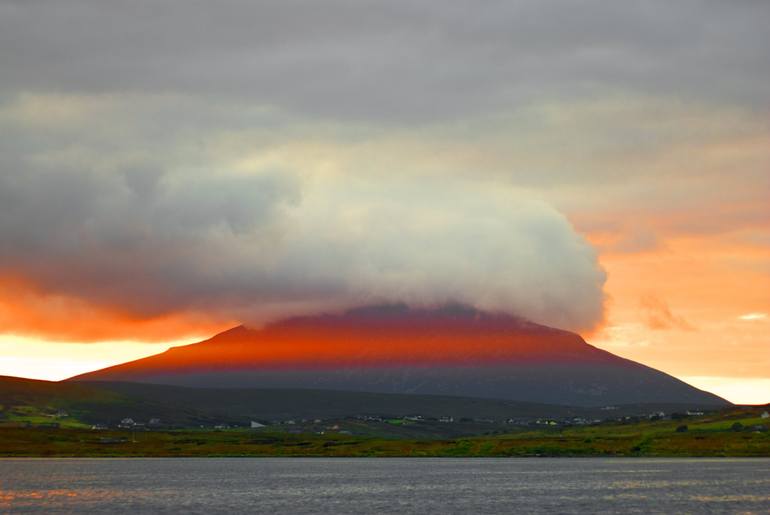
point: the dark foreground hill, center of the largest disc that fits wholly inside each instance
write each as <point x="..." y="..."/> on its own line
<point x="452" y="351"/>
<point x="69" y="403"/>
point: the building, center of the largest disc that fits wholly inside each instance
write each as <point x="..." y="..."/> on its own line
<point x="256" y="425"/>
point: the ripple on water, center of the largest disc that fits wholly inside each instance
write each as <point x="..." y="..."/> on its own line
<point x="422" y="486"/>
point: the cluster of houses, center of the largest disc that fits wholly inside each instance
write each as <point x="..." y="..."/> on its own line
<point x="156" y="423"/>
<point x="410" y="418"/>
<point x="129" y="423"/>
<point x="252" y="425"/>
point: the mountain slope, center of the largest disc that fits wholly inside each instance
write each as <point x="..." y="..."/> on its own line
<point x="393" y="349"/>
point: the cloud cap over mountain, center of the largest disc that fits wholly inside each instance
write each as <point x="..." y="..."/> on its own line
<point x="263" y="245"/>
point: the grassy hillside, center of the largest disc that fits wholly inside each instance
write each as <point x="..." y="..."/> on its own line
<point x="44" y="402"/>
<point x="79" y="404"/>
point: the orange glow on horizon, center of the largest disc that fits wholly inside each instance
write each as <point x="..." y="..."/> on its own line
<point x="26" y="310"/>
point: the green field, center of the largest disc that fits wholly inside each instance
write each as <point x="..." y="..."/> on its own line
<point x="708" y="435"/>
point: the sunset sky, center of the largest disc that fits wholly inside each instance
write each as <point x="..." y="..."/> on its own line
<point x="171" y="169"/>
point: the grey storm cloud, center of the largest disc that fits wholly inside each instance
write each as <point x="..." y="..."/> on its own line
<point x="159" y="156"/>
<point x="389" y="61"/>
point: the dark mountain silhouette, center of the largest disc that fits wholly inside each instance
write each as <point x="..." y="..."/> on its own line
<point x="453" y="350"/>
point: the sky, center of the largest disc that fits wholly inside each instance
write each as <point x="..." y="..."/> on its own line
<point x="171" y="169"/>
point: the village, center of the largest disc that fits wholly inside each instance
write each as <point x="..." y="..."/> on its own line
<point x="411" y="424"/>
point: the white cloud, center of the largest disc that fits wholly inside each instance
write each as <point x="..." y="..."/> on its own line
<point x="753" y="316"/>
<point x="131" y="216"/>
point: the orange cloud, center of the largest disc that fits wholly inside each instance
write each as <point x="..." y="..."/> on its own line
<point x="26" y="310"/>
<point x="659" y="316"/>
<point x="712" y="280"/>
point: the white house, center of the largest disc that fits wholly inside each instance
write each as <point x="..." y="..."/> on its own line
<point x="256" y="425"/>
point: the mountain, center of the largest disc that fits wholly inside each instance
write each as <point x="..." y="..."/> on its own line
<point x="453" y="351"/>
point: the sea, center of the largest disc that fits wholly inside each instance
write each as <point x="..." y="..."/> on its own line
<point x="274" y="486"/>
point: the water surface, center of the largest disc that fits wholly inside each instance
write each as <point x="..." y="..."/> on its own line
<point x="382" y="485"/>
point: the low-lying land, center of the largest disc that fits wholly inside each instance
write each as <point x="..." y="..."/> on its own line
<point x="82" y="405"/>
<point x="733" y="432"/>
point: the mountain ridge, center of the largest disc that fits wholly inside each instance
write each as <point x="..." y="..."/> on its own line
<point x="452" y="350"/>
